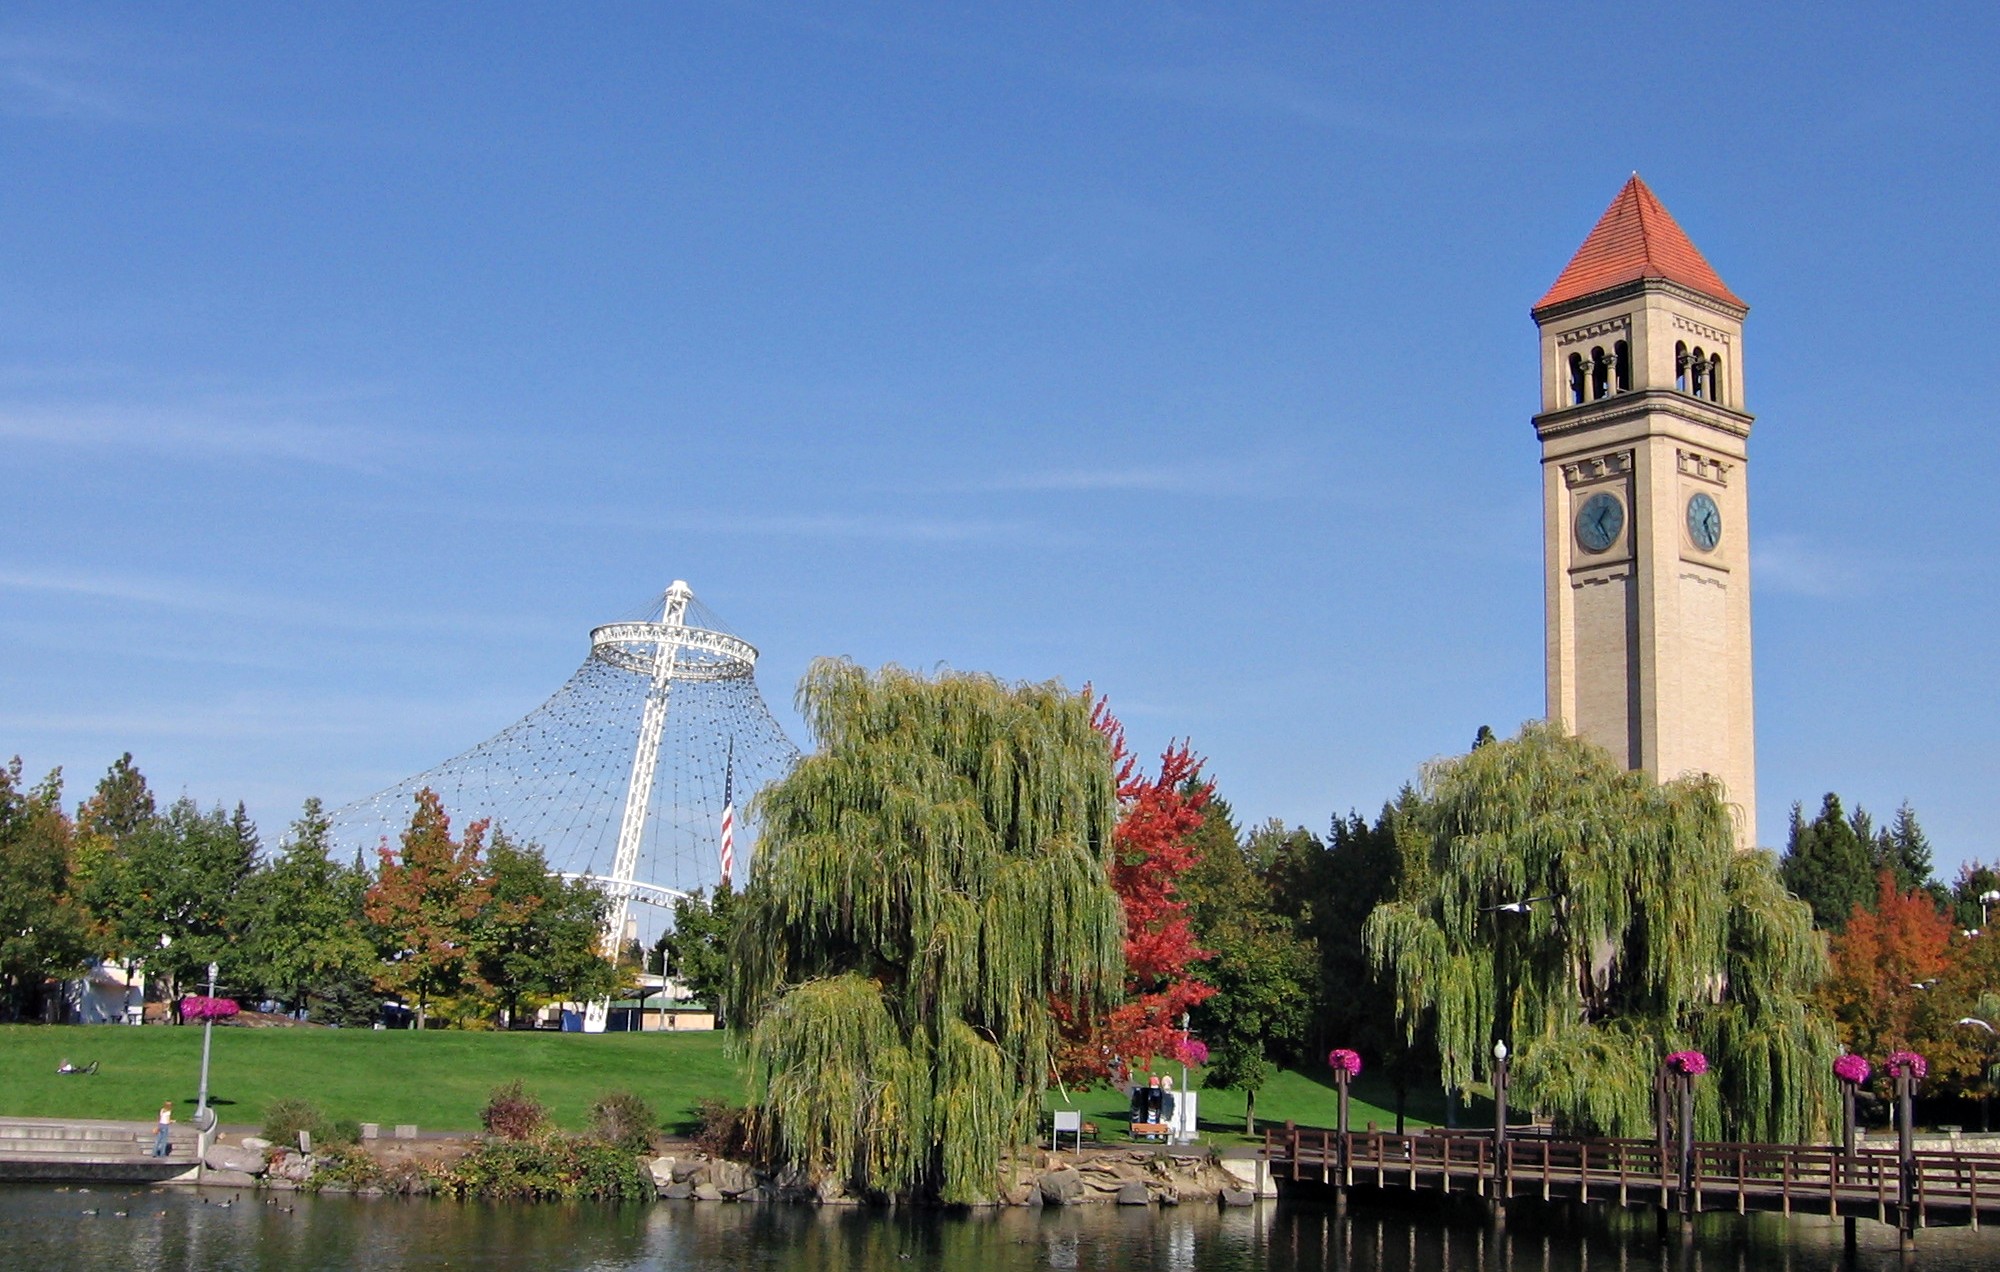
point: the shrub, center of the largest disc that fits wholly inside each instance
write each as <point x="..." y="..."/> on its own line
<point x="511" y="1113"/>
<point x="550" y="1168"/>
<point x="723" y="1130"/>
<point x="625" y="1121"/>
<point x="344" y="1167"/>
<point x="286" y="1118"/>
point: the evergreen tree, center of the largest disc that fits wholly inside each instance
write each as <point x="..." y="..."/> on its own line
<point x="1656" y="935"/>
<point x="1905" y="851"/>
<point x="926" y="881"/>
<point x="1829" y="862"/>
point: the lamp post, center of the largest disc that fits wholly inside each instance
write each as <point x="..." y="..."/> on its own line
<point x="1985" y="1100"/>
<point x="1499" y="1093"/>
<point x="1986" y="900"/>
<point x="207" y="1033"/>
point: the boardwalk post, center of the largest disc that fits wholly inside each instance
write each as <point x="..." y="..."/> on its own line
<point x="1906" y="1157"/>
<point x="1502" y="1185"/>
<point x="1687" y="1142"/>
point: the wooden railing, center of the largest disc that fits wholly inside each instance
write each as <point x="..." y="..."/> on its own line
<point x="1928" y="1188"/>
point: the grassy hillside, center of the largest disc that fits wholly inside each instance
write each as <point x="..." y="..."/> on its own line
<point x="440" y="1079"/>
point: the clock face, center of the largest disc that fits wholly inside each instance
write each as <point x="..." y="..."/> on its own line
<point x="1599" y="522"/>
<point x="1704" y="523"/>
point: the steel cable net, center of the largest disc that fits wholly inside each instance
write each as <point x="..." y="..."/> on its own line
<point x="562" y="776"/>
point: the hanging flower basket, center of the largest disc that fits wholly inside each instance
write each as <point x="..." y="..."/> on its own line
<point x="1194" y="1052"/>
<point x="1851" y="1068"/>
<point x="1691" y="1063"/>
<point x="1901" y="1063"/>
<point x="202" y="1007"/>
<point x="1341" y="1060"/>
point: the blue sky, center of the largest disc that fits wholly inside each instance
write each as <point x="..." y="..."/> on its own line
<point x="353" y="364"/>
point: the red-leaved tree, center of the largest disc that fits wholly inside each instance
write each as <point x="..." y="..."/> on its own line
<point x="1152" y="847"/>
<point x="425" y="903"/>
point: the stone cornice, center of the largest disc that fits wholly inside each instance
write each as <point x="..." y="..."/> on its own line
<point x="1620" y="407"/>
<point x="1637" y="287"/>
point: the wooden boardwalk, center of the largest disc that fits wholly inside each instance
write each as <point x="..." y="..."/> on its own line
<point x="1937" y="1188"/>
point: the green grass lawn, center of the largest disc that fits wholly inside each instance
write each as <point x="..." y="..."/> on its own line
<point x="439" y="1079"/>
<point x="1309" y="1099"/>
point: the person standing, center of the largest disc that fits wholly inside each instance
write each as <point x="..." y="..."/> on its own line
<point x="162" y="1142"/>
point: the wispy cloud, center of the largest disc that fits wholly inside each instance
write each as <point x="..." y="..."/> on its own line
<point x="284" y="610"/>
<point x="881" y="527"/>
<point x="62" y="79"/>
<point x="1257" y="90"/>
<point x="225" y="429"/>
<point x="1790" y="563"/>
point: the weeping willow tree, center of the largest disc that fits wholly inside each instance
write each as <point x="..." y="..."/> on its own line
<point x="1655" y="935"/>
<point x="925" y="882"/>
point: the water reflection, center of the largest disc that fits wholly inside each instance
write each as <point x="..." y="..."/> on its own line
<point x="41" y="1228"/>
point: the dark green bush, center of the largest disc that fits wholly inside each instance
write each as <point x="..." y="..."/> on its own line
<point x="512" y="1113"/>
<point x="625" y="1121"/>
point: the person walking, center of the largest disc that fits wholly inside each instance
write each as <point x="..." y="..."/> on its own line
<point x="163" y="1142"/>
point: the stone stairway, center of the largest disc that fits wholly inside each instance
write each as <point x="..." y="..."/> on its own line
<point x="77" y="1149"/>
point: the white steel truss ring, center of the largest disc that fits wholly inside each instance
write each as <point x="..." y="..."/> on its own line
<point x="698" y="653"/>
<point x="630" y="889"/>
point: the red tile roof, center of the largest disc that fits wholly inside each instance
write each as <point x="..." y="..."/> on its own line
<point x="1636" y="238"/>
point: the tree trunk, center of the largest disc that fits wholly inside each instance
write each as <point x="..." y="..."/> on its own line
<point x="1250" y="1111"/>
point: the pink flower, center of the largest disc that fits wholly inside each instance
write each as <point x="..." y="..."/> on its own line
<point x="1901" y="1062"/>
<point x="1849" y="1067"/>
<point x="1692" y="1063"/>
<point x="1194" y="1051"/>
<point x="1341" y="1060"/>
<point x="202" y="1007"/>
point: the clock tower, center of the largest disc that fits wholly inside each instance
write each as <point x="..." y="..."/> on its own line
<point x="1645" y="504"/>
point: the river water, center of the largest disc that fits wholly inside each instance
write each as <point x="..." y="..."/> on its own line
<point x="45" y="1229"/>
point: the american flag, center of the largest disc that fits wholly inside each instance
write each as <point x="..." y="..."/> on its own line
<point x="729" y="817"/>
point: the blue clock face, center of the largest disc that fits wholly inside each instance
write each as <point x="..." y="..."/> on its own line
<point x="1704" y="523"/>
<point x="1599" y="522"/>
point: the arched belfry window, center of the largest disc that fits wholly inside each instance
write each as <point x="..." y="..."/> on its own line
<point x="1698" y="373"/>
<point x="1600" y="374"/>
<point x="1577" y="377"/>
<point x="1681" y="365"/>
<point x="1622" y="354"/>
<point x="1715" y="377"/>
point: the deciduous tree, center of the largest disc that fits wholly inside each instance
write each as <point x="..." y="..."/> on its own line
<point x="537" y="935"/>
<point x="1262" y="972"/>
<point x="1153" y="846"/>
<point x="425" y="904"/>
<point x="301" y="918"/>
<point x="926" y="882"/>
<point x="1651" y="934"/>
<point x="42" y="933"/>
